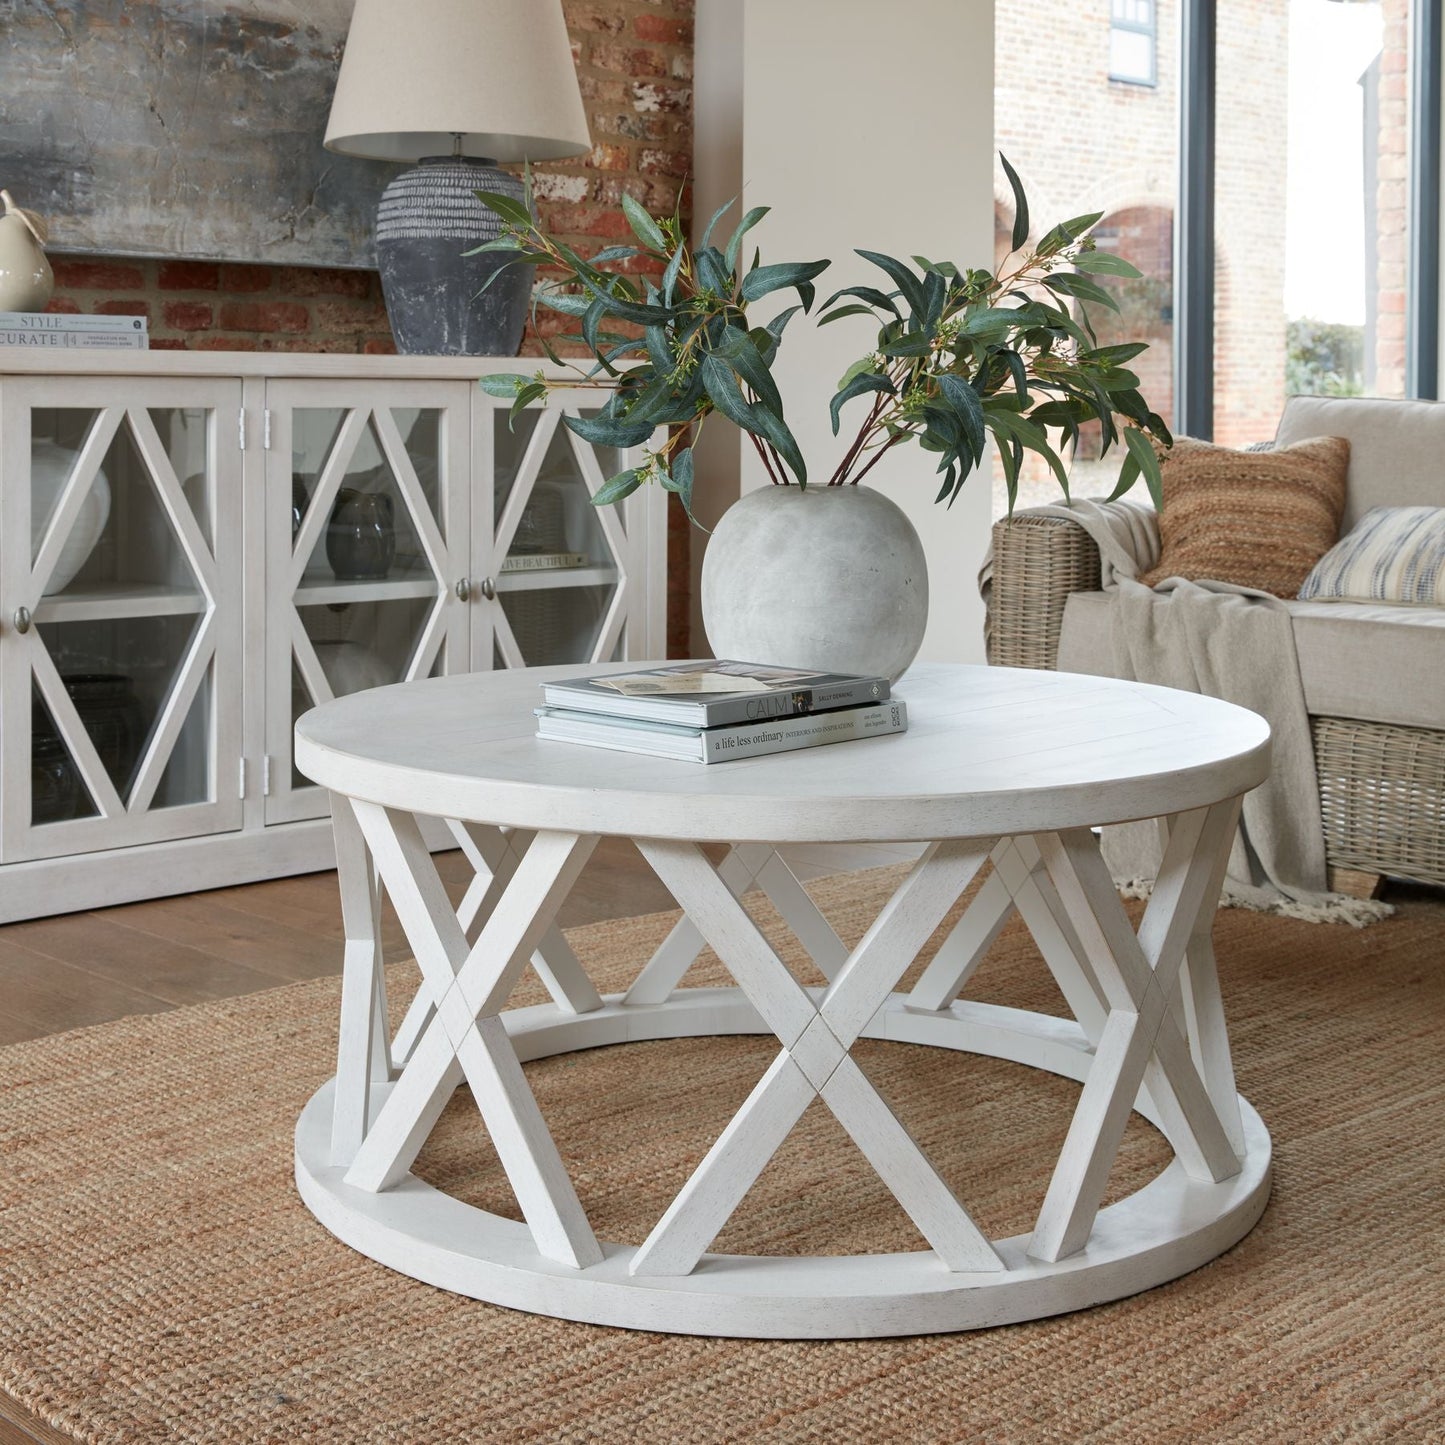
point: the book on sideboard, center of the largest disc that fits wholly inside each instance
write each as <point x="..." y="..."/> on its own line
<point x="44" y="329"/>
<point x="542" y="561"/>
<point x="710" y="694"/>
<point x="726" y="743"/>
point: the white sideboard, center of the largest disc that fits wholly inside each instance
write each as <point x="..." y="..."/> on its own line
<point x="196" y="547"/>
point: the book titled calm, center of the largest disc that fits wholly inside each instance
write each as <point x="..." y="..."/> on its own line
<point x="722" y="744"/>
<point x="710" y="694"/>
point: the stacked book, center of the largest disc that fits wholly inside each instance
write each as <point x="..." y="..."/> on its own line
<point x="718" y="711"/>
<point x="40" y="329"/>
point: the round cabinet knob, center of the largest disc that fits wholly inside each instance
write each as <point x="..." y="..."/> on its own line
<point x="489" y="589"/>
<point x="22" y="619"/>
<point x="464" y="589"/>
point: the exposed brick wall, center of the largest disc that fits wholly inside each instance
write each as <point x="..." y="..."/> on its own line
<point x="634" y="65"/>
<point x="218" y="306"/>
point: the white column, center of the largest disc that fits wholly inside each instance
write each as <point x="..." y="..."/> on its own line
<point x="870" y="126"/>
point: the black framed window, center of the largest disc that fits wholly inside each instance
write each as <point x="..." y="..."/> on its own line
<point x="1133" y="42"/>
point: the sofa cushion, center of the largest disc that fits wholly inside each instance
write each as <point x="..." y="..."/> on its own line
<point x="1357" y="659"/>
<point x="1256" y="519"/>
<point x="1396" y="447"/>
<point x="1396" y="554"/>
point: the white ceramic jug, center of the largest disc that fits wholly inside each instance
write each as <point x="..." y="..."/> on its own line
<point x="26" y="280"/>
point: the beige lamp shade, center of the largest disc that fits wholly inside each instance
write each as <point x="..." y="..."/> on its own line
<point x="416" y="73"/>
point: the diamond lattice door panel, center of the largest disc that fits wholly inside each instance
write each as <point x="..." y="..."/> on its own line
<point x="367" y="514"/>
<point x="122" y="583"/>
<point x="569" y="575"/>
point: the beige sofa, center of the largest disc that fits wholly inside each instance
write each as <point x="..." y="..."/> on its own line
<point x="1374" y="675"/>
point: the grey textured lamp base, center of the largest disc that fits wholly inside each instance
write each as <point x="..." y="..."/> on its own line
<point x="428" y="217"/>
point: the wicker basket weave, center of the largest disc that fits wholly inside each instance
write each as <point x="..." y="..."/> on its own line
<point x="1382" y="788"/>
<point x="1037" y="563"/>
<point x="1382" y="794"/>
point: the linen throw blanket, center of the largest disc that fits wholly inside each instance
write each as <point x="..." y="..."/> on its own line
<point x="1233" y="643"/>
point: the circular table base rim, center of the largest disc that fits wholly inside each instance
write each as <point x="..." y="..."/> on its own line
<point x="1170" y="1226"/>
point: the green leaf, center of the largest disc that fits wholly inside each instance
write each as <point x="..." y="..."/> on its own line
<point x="1070" y="283"/>
<point x="717" y="215"/>
<point x="1067" y="232"/>
<point x="744" y="226"/>
<point x="968" y="408"/>
<point x="504" y="384"/>
<point x="911" y="343"/>
<point x="1141" y="449"/>
<point x="616" y="253"/>
<point x="766" y="279"/>
<point x="901" y="277"/>
<point x="1116" y="355"/>
<point x="669" y="276"/>
<point x="1128" y="475"/>
<point x="1021" y="205"/>
<point x="524" y="398"/>
<point x="857" y="309"/>
<point x="569" y="303"/>
<point x="1101" y="263"/>
<point x="725" y="394"/>
<point x="508" y="208"/>
<point x="679" y="479"/>
<point x="856" y="385"/>
<point x="614" y="489"/>
<point x="776" y="325"/>
<point x="713" y="272"/>
<point x="643" y="226"/>
<point x="605" y="432"/>
<point x="869" y="294"/>
<point x="743" y="357"/>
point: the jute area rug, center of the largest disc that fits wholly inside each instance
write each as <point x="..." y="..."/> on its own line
<point x="160" y="1280"/>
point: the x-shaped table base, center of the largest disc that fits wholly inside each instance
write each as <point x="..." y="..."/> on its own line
<point x="1147" y="1004"/>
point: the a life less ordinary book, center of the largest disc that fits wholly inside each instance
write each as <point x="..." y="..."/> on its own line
<point x="722" y="744"/>
<point x="711" y="694"/>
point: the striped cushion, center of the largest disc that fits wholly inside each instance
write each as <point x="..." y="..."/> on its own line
<point x="1395" y="554"/>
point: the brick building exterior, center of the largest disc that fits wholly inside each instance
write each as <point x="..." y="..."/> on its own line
<point x="1083" y="142"/>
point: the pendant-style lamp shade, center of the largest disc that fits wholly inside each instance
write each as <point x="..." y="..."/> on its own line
<point x="417" y="72"/>
<point x="454" y="84"/>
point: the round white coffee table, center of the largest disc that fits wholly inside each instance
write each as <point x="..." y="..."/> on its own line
<point x="1008" y="768"/>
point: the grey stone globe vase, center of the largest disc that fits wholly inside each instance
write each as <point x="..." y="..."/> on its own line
<point x="832" y="578"/>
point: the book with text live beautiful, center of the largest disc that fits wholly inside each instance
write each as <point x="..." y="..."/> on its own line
<point x="722" y="744"/>
<point x="710" y="694"/>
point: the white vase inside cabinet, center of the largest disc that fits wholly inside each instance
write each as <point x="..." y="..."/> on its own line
<point x="369" y="490"/>
<point x="571" y="580"/>
<point x="120" y="688"/>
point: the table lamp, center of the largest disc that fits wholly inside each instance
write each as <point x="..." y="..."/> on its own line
<point x="456" y="85"/>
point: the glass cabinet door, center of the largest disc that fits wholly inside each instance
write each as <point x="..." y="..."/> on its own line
<point x="568" y="576"/>
<point x="122" y="637"/>
<point x="367" y="524"/>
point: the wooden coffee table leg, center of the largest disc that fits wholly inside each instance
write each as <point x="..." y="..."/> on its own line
<point x="469" y="986"/>
<point x="1141" y="1042"/>
<point x="816" y="1040"/>
<point x="747" y="865"/>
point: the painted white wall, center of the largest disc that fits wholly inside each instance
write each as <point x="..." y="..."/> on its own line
<point x="855" y="146"/>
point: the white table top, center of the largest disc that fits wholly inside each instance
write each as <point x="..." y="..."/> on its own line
<point x="989" y="751"/>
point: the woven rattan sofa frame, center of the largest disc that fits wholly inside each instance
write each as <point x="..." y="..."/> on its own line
<point x="1382" y="787"/>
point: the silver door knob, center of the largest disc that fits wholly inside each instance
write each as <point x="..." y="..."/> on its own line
<point x="22" y="619"/>
<point x="464" y="589"/>
<point x="489" y="588"/>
